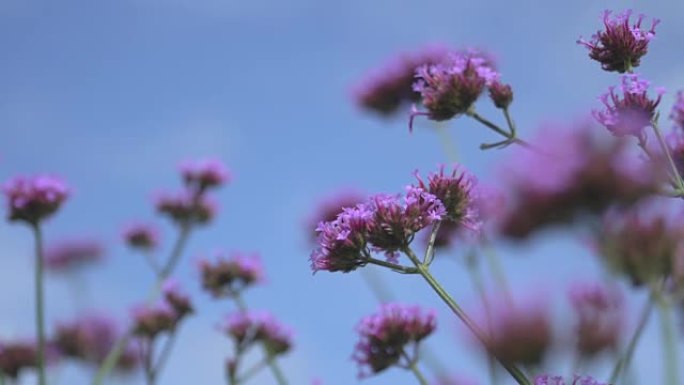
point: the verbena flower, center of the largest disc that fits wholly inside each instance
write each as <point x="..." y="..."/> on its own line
<point x="228" y="276"/>
<point x="599" y="313"/>
<point x="201" y="175"/>
<point x="390" y="87"/>
<point x="151" y="320"/>
<point x="449" y="88"/>
<point x="558" y="380"/>
<point x="71" y="254"/>
<point x="501" y="94"/>
<point x="329" y="208"/>
<point x="621" y="45"/>
<point x="31" y="199"/>
<point x="390" y="335"/>
<point x="249" y="328"/>
<point x="677" y="114"/>
<point x="17" y="356"/>
<point x="630" y="113"/>
<point x="141" y="236"/>
<point x="186" y="208"/>
<point x="177" y="299"/>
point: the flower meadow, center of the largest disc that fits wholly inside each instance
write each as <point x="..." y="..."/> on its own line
<point x="416" y="276"/>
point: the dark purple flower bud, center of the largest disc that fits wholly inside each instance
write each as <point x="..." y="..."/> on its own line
<point x="141" y="236"/>
<point x="633" y="112"/>
<point x="17" y="356"/>
<point x="186" y="208"/>
<point x="249" y="328"/>
<point x="177" y="299"/>
<point x="229" y="276"/>
<point x="328" y="209"/>
<point x="31" y="199"/>
<point x="204" y="174"/>
<point x="558" y="380"/>
<point x="501" y="94"/>
<point x="390" y="335"/>
<point x="149" y="321"/>
<point x="621" y="46"/>
<point x="677" y="114"/>
<point x="69" y="255"/>
<point x="599" y="314"/>
<point x="449" y="88"/>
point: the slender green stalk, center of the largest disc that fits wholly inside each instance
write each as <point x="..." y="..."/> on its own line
<point x="40" y="303"/>
<point x="666" y="150"/>
<point x="272" y="364"/>
<point x="165" y="353"/>
<point x="513" y="370"/>
<point x="625" y="360"/>
<point x="510" y="136"/>
<point x="148" y="354"/>
<point x="430" y="250"/>
<point x="494" y="264"/>
<point x="448" y="145"/>
<point x="413" y="366"/>
<point x="669" y="335"/>
<point x="249" y="373"/>
<point x="398" y="268"/>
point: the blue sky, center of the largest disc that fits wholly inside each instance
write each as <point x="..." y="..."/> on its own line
<point x="112" y="95"/>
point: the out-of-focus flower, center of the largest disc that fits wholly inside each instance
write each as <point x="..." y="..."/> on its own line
<point x="501" y="94"/>
<point x="141" y="236"/>
<point x="631" y="113"/>
<point x="17" y="356"/>
<point x="249" y="328"/>
<point x="150" y="320"/>
<point x="558" y="380"/>
<point x="186" y="208"/>
<point x="389" y="88"/>
<point x="204" y="174"/>
<point x="451" y="380"/>
<point x="177" y="299"/>
<point x="599" y="313"/>
<point x="575" y="173"/>
<point x="642" y="243"/>
<point x="450" y="87"/>
<point x="390" y="335"/>
<point x="621" y="46"/>
<point x="31" y="199"/>
<point x="677" y="114"/>
<point x="328" y="209"/>
<point x="229" y="276"/>
<point x="71" y="254"/>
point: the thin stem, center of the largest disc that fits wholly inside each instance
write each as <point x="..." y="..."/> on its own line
<point x="430" y="250"/>
<point x="393" y="266"/>
<point x="510" y="136"/>
<point x="494" y="264"/>
<point x="272" y="364"/>
<point x="413" y="366"/>
<point x="165" y="352"/>
<point x="377" y="287"/>
<point x="509" y="121"/>
<point x="40" y="303"/>
<point x="448" y="145"/>
<point x="249" y="373"/>
<point x="147" y="354"/>
<point x="513" y="370"/>
<point x="666" y="150"/>
<point x="623" y="363"/>
<point x="669" y="336"/>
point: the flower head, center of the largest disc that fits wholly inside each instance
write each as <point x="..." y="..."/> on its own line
<point x="631" y="113"/>
<point x="150" y="320"/>
<point x="389" y="335"/>
<point x="599" y="314"/>
<point x="17" y="356"/>
<point x="621" y="46"/>
<point x="141" y="236"/>
<point x="558" y="380"/>
<point x="177" y="299"/>
<point x="229" y="276"/>
<point x="328" y="209"/>
<point x="186" y="208"/>
<point x="31" y="199"/>
<point x="71" y="254"/>
<point x="501" y="94"/>
<point x="248" y="328"/>
<point x="204" y="174"/>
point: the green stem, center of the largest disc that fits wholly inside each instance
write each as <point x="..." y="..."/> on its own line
<point x="497" y="271"/>
<point x="398" y="268"/>
<point x="165" y="352"/>
<point x="513" y="370"/>
<point x="413" y="366"/>
<point x="510" y="136"/>
<point x="430" y="250"/>
<point x="669" y="336"/>
<point x="448" y="145"/>
<point x="666" y="150"/>
<point x="272" y="364"/>
<point x="249" y="373"/>
<point x="40" y="303"/>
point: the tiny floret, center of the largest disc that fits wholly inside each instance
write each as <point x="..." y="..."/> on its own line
<point x="141" y="236"/>
<point x="249" y="328"/>
<point x="227" y="277"/>
<point x="31" y="199"/>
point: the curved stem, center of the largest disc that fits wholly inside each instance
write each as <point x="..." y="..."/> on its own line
<point x="669" y="336"/>
<point x="513" y="370"/>
<point x="413" y="366"/>
<point x="165" y="352"/>
<point x="494" y="264"/>
<point x="40" y="303"/>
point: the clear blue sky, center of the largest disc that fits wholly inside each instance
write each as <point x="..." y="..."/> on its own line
<point x="112" y="95"/>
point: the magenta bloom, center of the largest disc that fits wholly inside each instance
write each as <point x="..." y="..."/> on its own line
<point x="141" y="236"/>
<point x="17" y="356"/>
<point x="204" y="174"/>
<point x="558" y="380"/>
<point x="72" y="254"/>
<point x="621" y="46"/>
<point x="186" y="208"/>
<point x="177" y="299"/>
<point x="677" y="114"/>
<point x="229" y="276"/>
<point x="31" y="199"/>
<point x="389" y="88"/>
<point x="599" y="312"/>
<point x="249" y="328"/>
<point x="631" y="113"/>
<point x="328" y="209"/>
<point x="390" y="335"/>
<point x="150" y="321"/>
<point x="449" y="88"/>
<point x="501" y="94"/>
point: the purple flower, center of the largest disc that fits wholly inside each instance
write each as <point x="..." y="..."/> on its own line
<point x="599" y="317"/>
<point x="328" y="209"/>
<point x="621" y="46"/>
<point x="177" y="299"/>
<point x="141" y="236"/>
<point x="501" y="94"/>
<point x="455" y="192"/>
<point x="449" y="88"/>
<point x="17" y="356"/>
<point x="389" y="88"/>
<point x="342" y="243"/>
<point x="31" y="199"/>
<point x="558" y="380"/>
<point x="677" y="114"/>
<point x="248" y="328"/>
<point x="229" y="276"/>
<point x="394" y="332"/>
<point x="201" y="175"/>
<point x="450" y="380"/>
<point x="186" y="208"/>
<point x="72" y="254"/>
<point x="150" y="320"/>
<point x="633" y="112"/>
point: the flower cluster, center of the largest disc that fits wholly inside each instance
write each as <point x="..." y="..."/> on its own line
<point x="631" y="113"/>
<point x="17" y="356"/>
<point x="229" y="276"/>
<point x="204" y="174"/>
<point x="186" y="208"/>
<point x="328" y="209"/>
<point x="456" y="192"/>
<point x="141" y="236"/>
<point x="33" y="199"/>
<point x="620" y="47"/>
<point x="250" y="328"/>
<point x="390" y="335"/>
<point x="71" y="254"/>
<point x="151" y="320"/>
<point x="599" y="315"/>
<point x="558" y="380"/>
